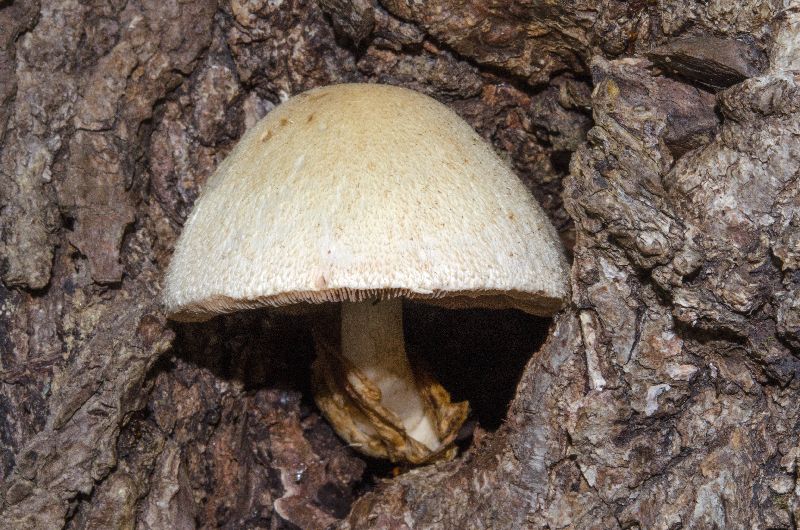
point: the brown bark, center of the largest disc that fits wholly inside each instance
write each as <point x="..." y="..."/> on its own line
<point x="663" y="139"/>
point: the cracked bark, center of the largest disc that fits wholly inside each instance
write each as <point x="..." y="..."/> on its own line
<point x="661" y="137"/>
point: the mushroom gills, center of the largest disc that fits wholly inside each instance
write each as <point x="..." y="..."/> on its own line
<point x="375" y="400"/>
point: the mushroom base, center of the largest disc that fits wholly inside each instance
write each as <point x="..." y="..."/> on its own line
<point x="373" y="397"/>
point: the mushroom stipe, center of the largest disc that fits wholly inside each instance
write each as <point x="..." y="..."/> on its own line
<point x="390" y="411"/>
<point x="362" y="194"/>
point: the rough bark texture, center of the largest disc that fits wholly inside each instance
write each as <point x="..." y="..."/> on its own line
<point x="663" y="139"/>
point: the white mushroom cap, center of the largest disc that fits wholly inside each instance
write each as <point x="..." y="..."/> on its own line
<point x="355" y="191"/>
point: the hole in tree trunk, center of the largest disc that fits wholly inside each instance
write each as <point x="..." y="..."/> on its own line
<point x="478" y="355"/>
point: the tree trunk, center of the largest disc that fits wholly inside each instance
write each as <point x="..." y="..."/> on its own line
<point x="662" y="137"/>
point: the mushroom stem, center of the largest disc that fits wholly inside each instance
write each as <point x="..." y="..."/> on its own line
<point x="373" y="342"/>
<point x="375" y="400"/>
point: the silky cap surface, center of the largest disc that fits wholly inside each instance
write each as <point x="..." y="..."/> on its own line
<point x="355" y="191"/>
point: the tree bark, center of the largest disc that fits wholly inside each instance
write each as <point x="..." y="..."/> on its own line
<point x="662" y="138"/>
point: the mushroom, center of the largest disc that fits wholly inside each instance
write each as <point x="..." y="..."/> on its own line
<point x="364" y="194"/>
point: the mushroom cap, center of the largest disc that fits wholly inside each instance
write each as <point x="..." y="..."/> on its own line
<point x="358" y="191"/>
